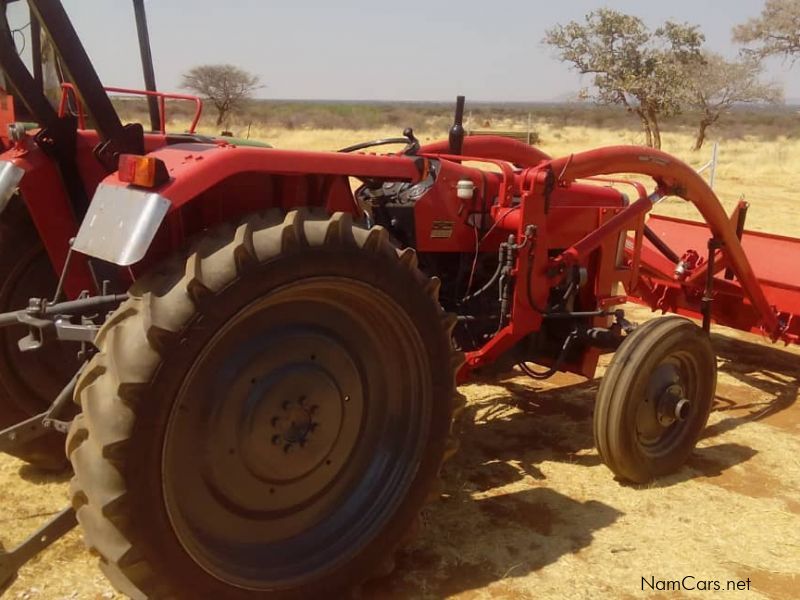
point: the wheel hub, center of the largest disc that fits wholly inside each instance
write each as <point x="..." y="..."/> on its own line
<point x="672" y="405"/>
<point x="288" y="423"/>
<point x="292" y="420"/>
<point x="294" y="427"/>
<point x="666" y="405"/>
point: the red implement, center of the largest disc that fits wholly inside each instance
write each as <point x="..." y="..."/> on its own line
<point x="770" y="256"/>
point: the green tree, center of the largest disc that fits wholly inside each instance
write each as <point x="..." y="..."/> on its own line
<point x="775" y="32"/>
<point x="719" y="84"/>
<point x="644" y="71"/>
<point x="225" y="86"/>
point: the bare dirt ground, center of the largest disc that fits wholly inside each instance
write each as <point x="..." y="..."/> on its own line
<point x="529" y="510"/>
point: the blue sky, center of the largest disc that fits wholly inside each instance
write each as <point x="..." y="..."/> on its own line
<point x="398" y="50"/>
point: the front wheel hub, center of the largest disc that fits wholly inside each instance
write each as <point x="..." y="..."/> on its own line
<point x="673" y="406"/>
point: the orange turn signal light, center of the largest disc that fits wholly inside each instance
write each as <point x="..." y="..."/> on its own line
<point x="144" y="171"/>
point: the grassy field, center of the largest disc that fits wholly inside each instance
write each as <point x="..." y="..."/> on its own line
<point x="529" y="510"/>
<point x="757" y="160"/>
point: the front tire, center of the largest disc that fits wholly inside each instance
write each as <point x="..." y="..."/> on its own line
<point x="266" y="417"/>
<point x="655" y="398"/>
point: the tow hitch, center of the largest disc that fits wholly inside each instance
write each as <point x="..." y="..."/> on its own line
<point x="66" y="321"/>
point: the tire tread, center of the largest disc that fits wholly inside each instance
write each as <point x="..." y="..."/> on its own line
<point x="132" y="343"/>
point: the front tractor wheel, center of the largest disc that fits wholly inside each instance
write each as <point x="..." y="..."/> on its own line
<point x="267" y="417"/>
<point x="655" y="398"/>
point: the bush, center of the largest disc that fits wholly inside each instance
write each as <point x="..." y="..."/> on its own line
<point x="765" y="122"/>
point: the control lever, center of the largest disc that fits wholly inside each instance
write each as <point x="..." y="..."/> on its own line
<point x="413" y="142"/>
<point x="457" y="132"/>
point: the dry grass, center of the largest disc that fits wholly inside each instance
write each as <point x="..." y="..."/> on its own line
<point x="761" y="171"/>
<point x="529" y="510"/>
<point x="753" y="168"/>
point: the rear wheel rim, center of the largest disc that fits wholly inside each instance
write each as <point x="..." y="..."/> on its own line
<point x="297" y="433"/>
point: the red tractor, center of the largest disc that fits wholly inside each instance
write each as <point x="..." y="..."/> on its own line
<point x="263" y="362"/>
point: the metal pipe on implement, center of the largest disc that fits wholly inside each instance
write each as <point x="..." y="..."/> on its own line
<point x="681" y="180"/>
<point x="611" y="227"/>
<point x="661" y="246"/>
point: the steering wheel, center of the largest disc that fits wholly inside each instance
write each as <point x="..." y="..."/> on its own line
<point x="411" y="142"/>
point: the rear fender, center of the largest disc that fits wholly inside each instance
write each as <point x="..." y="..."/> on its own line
<point x="36" y="179"/>
<point x="120" y="224"/>
<point x="26" y="169"/>
<point x="123" y="221"/>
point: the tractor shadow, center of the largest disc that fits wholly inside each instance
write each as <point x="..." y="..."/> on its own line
<point x="505" y="439"/>
<point x="39" y="476"/>
<point x="500" y="520"/>
<point x="471" y="543"/>
<point x="528" y="422"/>
<point x="757" y="382"/>
<point x="482" y="532"/>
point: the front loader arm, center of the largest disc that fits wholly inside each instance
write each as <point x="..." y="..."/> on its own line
<point x="675" y="177"/>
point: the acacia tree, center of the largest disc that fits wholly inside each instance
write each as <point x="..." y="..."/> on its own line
<point x="225" y="86"/>
<point x="719" y="84"/>
<point x="775" y="32"/>
<point x="642" y="70"/>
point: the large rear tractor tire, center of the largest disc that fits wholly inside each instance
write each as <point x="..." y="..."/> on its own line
<point x="266" y="417"/>
<point x="29" y="381"/>
<point x="655" y="398"/>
